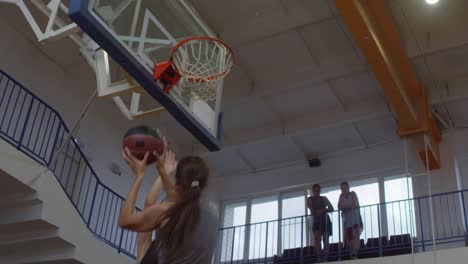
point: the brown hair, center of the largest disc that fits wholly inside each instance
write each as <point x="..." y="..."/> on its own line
<point x="179" y="221"/>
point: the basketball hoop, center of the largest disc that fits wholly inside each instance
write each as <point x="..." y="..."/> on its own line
<point x="198" y="64"/>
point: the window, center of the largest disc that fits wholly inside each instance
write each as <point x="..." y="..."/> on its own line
<point x="400" y="211"/>
<point x="292" y="211"/>
<point x="234" y="233"/>
<point x="263" y="234"/>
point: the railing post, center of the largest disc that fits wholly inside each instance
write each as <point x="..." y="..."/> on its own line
<point x="59" y="126"/>
<point x="120" y="242"/>
<point x="266" y="242"/>
<point x="233" y="239"/>
<point x="23" y="131"/>
<point x="302" y="241"/>
<point x="92" y="206"/>
<point x="339" y="234"/>
<point x="380" y="231"/>
<point x="421" y="224"/>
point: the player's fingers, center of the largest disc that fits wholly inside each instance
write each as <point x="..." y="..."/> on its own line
<point x="130" y="156"/>
<point x="145" y="159"/>
<point x="124" y="156"/>
<point x="165" y="144"/>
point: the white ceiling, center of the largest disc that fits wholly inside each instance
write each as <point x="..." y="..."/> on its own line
<point x="299" y="68"/>
<point x="301" y="87"/>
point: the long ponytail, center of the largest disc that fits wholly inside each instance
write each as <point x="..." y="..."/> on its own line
<point x="178" y="223"/>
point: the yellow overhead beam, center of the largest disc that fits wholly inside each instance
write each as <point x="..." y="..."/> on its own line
<point x="371" y="25"/>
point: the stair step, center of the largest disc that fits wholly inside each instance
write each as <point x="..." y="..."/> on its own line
<point x="11" y="186"/>
<point x="44" y="257"/>
<point x="26" y="210"/>
<point x="25" y="236"/>
<point x="6" y="204"/>
<point x="58" y="261"/>
<point x="41" y="249"/>
<point x="24" y="228"/>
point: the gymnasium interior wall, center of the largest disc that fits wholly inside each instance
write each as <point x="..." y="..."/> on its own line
<point x="67" y="89"/>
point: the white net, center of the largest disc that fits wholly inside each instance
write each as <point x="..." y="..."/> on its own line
<point x="206" y="91"/>
<point x="203" y="63"/>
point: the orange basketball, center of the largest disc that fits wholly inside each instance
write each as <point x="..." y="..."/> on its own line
<point x="142" y="139"/>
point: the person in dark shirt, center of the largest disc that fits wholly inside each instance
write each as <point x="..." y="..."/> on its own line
<point x="319" y="207"/>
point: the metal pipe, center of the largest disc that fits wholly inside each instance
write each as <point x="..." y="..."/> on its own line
<point x="75" y="127"/>
<point x="429" y="187"/>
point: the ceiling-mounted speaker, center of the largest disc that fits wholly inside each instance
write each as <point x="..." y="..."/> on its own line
<point x="115" y="168"/>
<point x="315" y="162"/>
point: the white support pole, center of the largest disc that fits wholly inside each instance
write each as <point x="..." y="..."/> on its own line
<point x="102" y="72"/>
<point x="10" y="1"/>
<point x="60" y="33"/>
<point x="122" y="107"/>
<point x="29" y="17"/>
<point x="410" y="202"/>
<point x="383" y="208"/>
<point x="64" y="30"/>
<point x="217" y="110"/>
<point x="53" y="7"/>
<point x="458" y="177"/>
<point x="136" y="14"/>
<point x="279" y="223"/>
<point x="63" y="7"/>
<point x="135" y="103"/>
<point x="429" y="187"/>
<point x="247" y="230"/>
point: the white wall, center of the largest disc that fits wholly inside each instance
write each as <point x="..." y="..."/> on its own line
<point x="452" y="256"/>
<point x="68" y="92"/>
<point x="454" y="145"/>
<point x="383" y="160"/>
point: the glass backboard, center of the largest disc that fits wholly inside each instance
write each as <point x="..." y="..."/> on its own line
<point x="138" y="34"/>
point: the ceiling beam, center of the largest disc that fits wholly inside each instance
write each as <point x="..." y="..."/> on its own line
<point x="371" y="24"/>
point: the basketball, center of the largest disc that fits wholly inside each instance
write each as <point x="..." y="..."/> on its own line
<point x="142" y="139"/>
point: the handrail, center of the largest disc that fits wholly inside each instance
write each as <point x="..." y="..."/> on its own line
<point x="360" y="207"/>
<point x="35" y="128"/>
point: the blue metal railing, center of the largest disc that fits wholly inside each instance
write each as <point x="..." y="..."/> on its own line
<point x="35" y="128"/>
<point x="392" y="228"/>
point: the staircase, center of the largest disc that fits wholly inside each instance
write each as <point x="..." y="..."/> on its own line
<point x="24" y="236"/>
<point x="62" y="215"/>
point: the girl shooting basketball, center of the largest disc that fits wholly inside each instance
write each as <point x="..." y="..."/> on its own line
<point x="186" y="227"/>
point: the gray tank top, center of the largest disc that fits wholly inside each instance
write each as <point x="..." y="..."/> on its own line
<point x="200" y="248"/>
<point x="351" y="217"/>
